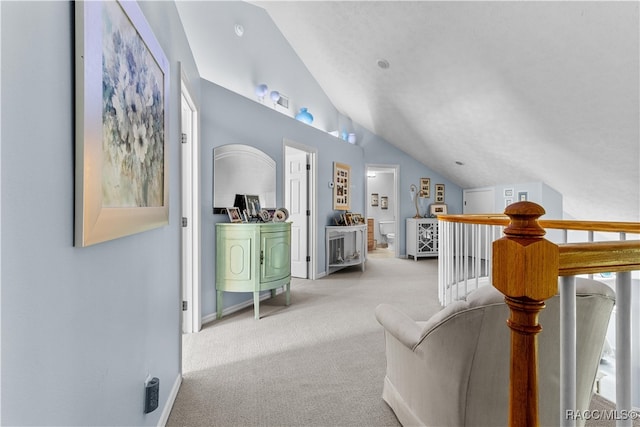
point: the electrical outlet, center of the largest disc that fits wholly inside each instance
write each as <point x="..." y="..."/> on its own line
<point x="151" y="395"/>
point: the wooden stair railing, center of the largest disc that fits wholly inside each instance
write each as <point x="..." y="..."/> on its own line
<point x="526" y="268"/>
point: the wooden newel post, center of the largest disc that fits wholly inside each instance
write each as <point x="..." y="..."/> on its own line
<point x="525" y="270"/>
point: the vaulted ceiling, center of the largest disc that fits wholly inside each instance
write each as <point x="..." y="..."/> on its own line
<point x="516" y="91"/>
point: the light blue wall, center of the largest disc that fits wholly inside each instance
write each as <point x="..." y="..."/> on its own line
<point x="229" y="118"/>
<point x="234" y="116"/>
<point x="87" y="326"/>
<point x="82" y="328"/>
<point x="537" y="192"/>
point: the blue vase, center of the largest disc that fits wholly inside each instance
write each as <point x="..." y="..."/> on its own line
<point x="304" y="116"/>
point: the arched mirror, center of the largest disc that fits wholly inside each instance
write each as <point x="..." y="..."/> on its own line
<point x="242" y="169"/>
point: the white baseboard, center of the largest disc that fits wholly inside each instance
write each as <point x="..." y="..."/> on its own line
<point x="166" y="411"/>
<point x="237" y="307"/>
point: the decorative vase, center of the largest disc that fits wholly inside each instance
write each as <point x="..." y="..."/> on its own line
<point x="304" y="116"/>
<point x="261" y="91"/>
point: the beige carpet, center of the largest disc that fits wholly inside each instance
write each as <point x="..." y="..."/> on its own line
<point x="318" y="362"/>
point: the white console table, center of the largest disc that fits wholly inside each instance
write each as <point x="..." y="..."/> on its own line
<point x="345" y="246"/>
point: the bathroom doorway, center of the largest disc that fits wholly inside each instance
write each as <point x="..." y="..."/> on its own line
<point x="382" y="205"/>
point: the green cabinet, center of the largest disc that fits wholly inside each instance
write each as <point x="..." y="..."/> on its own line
<point x="252" y="258"/>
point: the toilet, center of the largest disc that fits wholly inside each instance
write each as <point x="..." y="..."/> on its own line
<point x="387" y="229"/>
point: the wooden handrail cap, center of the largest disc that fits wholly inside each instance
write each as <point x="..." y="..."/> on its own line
<point x="524" y="220"/>
<point x="524" y="208"/>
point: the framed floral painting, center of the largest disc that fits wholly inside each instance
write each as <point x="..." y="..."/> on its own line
<point x="122" y="116"/>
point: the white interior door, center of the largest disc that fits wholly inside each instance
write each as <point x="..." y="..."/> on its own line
<point x="296" y="200"/>
<point x="479" y="201"/>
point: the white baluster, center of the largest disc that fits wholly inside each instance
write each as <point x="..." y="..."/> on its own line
<point x="476" y="252"/>
<point x="623" y="347"/>
<point x="457" y="261"/>
<point x="567" y="349"/>
<point x="466" y="259"/>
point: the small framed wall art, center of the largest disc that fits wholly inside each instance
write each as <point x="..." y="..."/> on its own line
<point x="374" y="199"/>
<point x="425" y="184"/>
<point x="341" y="186"/>
<point x="439" y="193"/>
<point x="384" y="202"/>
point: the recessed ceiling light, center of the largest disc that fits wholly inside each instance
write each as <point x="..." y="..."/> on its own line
<point x="459" y="163"/>
<point x="239" y="29"/>
<point x="383" y="63"/>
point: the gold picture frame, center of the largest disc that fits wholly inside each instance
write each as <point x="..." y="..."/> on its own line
<point x="122" y="184"/>
<point x="341" y="186"/>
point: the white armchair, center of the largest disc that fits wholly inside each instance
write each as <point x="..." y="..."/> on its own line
<point x="453" y="369"/>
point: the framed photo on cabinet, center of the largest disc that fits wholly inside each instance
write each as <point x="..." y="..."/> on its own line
<point x="122" y="123"/>
<point x="234" y="214"/>
<point x="438" y="209"/>
<point x="341" y="186"/>
<point x="252" y="204"/>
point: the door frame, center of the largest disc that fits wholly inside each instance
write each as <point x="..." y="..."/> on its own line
<point x="396" y="188"/>
<point x="191" y="319"/>
<point x="312" y="229"/>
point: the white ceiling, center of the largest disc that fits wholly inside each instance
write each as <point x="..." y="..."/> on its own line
<point x="517" y="91"/>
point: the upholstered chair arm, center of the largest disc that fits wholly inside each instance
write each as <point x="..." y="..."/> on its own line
<point x="408" y="331"/>
<point x="398" y="324"/>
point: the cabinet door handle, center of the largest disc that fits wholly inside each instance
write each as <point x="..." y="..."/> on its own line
<point x="261" y="257"/>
